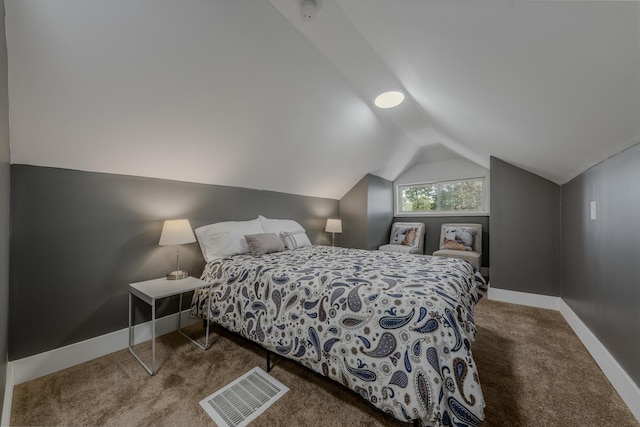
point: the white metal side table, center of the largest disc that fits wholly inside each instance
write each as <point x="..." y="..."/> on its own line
<point x="150" y="291"/>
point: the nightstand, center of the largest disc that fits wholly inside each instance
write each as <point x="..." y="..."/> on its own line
<point x="151" y="290"/>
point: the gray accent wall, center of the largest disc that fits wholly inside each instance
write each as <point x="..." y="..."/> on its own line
<point x="525" y="226"/>
<point x="379" y="211"/>
<point x="4" y="208"/>
<point x="601" y="258"/>
<point x="367" y="212"/>
<point x="79" y="238"/>
<point x="353" y="211"/>
<point x="432" y="231"/>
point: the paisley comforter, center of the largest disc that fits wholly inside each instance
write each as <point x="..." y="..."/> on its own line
<point x="395" y="328"/>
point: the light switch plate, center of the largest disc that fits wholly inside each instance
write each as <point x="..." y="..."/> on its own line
<point x="593" y="210"/>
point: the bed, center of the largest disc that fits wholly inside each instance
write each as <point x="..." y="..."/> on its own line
<point x="395" y="328"/>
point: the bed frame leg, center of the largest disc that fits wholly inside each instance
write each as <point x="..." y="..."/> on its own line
<point x="268" y="361"/>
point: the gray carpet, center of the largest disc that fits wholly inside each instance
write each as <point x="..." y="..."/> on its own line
<point x="533" y="370"/>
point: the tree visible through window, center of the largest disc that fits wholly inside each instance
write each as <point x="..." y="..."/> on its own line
<point x="447" y="196"/>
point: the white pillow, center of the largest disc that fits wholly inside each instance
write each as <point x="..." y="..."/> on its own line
<point x="295" y="239"/>
<point x="224" y="239"/>
<point x="279" y="225"/>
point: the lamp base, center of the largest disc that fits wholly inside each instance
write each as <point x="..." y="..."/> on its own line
<point x="177" y="275"/>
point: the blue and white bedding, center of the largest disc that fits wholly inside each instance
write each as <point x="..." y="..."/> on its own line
<point x="395" y="328"/>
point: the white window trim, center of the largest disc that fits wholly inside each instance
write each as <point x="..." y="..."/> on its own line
<point x="397" y="202"/>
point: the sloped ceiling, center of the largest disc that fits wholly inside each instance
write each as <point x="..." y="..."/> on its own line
<point x="244" y="93"/>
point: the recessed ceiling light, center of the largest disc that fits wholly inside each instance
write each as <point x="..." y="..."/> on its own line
<point x="389" y="99"/>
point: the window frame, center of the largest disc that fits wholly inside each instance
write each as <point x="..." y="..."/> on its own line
<point x="397" y="196"/>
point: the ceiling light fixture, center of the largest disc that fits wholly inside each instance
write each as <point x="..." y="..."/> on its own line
<point x="389" y="99"/>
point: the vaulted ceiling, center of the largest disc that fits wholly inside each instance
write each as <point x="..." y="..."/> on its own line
<point x="246" y="93"/>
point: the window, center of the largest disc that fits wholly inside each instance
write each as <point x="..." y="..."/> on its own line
<point x="466" y="196"/>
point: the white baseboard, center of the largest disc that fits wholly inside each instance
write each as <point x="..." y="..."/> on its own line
<point x="523" y="298"/>
<point x="38" y="365"/>
<point x="619" y="379"/>
<point x="8" y="397"/>
<point x="617" y="376"/>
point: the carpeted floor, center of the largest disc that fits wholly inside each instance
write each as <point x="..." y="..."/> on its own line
<point x="533" y="370"/>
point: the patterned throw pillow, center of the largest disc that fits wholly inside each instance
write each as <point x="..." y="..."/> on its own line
<point x="264" y="243"/>
<point x="404" y="236"/>
<point x="410" y="237"/>
<point x="295" y="239"/>
<point x="458" y="238"/>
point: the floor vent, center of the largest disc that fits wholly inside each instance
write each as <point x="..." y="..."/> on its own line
<point x="244" y="399"/>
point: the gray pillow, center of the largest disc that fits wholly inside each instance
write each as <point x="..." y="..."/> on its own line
<point x="264" y="243"/>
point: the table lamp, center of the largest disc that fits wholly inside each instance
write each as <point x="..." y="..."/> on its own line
<point x="177" y="232"/>
<point x="333" y="226"/>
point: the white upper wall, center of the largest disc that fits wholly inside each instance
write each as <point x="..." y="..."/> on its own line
<point x="244" y="93"/>
<point x="444" y="168"/>
<point x="219" y="92"/>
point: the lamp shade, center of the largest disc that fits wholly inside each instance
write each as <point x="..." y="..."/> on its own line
<point x="334" y="226"/>
<point x="176" y="232"/>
